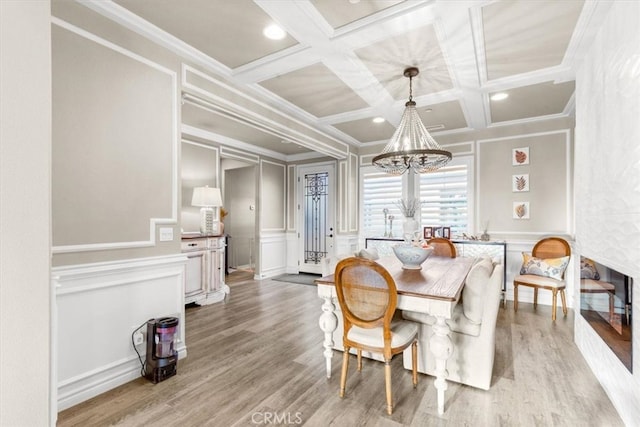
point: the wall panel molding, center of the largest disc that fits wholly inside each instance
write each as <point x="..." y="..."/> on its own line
<point x="96" y="308"/>
<point x="168" y="80"/>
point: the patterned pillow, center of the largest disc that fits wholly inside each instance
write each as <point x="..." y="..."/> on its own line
<point x="550" y="267"/>
<point x="588" y="269"/>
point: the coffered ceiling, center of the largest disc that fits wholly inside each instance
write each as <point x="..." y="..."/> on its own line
<point x="341" y="63"/>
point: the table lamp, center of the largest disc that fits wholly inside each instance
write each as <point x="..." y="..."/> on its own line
<point x="207" y="198"/>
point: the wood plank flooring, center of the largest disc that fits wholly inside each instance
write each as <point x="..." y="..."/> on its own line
<point x="258" y="361"/>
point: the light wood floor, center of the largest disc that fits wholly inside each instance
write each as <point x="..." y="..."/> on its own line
<point x="258" y="361"/>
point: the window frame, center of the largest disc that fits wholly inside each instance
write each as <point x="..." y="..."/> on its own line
<point x="411" y="187"/>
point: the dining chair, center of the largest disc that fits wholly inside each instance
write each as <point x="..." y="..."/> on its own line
<point x="367" y="296"/>
<point x="545" y="268"/>
<point x="443" y="247"/>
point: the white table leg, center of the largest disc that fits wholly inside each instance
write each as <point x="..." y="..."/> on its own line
<point x="441" y="347"/>
<point x="328" y="323"/>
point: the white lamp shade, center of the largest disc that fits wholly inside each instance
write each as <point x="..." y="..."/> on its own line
<point x="206" y="196"/>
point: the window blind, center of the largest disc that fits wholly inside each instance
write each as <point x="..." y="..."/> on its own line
<point x="380" y="191"/>
<point x="444" y="198"/>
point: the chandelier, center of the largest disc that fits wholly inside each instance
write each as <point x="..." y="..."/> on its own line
<point x="411" y="146"/>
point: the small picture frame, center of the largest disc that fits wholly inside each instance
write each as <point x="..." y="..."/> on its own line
<point x="521" y="210"/>
<point x="446" y="232"/>
<point x="520" y="156"/>
<point x="520" y="183"/>
<point x="427" y="232"/>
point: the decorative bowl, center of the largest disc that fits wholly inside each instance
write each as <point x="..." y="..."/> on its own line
<point x="412" y="256"/>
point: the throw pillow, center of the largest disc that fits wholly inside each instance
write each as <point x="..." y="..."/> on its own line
<point x="549" y="267"/>
<point x="588" y="269"/>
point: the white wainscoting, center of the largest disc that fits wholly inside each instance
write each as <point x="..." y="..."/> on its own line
<point x="272" y="256"/>
<point x="292" y="253"/>
<point x="96" y="309"/>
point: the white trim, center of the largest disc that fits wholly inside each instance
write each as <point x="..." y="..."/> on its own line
<point x="230" y="153"/>
<point x="284" y="199"/>
<point x="292" y="219"/>
<point x="260" y="120"/>
<point x="225" y="140"/>
<point x="129" y="20"/>
<point x="353" y="196"/>
<point x="153" y="222"/>
<point x="342" y="195"/>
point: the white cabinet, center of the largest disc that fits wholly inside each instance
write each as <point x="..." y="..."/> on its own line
<point x="204" y="278"/>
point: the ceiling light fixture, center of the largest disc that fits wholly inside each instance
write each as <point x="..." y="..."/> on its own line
<point x="411" y="146"/>
<point x="499" y="96"/>
<point x="378" y="120"/>
<point x="274" y="32"/>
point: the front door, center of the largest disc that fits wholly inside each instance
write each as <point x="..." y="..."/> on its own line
<point x="316" y="184"/>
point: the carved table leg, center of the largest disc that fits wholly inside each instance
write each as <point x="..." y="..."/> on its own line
<point x="328" y="323"/>
<point x="441" y="347"/>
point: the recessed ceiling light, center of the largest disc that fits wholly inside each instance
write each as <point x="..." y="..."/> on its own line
<point x="354" y="1"/>
<point x="428" y="110"/>
<point x="499" y="96"/>
<point x="378" y="120"/>
<point x="274" y="32"/>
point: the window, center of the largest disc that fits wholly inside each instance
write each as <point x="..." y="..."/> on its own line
<point x="446" y="194"/>
<point x="380" y="191"/>
<point x="445" y="197"/>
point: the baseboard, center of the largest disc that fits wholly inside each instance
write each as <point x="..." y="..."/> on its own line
<point x="77" y="390"/>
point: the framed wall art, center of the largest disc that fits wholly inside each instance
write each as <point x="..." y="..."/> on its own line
<point x="520" y="183"/>
<point x="520" y="156"/>
<point x="520" y="210"/>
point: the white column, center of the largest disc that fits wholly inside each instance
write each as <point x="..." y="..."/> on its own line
<point x="441" y="347"/>
<point x="328" y="323"/>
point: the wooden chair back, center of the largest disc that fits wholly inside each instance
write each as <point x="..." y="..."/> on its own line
<point x="443" y="247"/>
<point x="551" y="247"/>
<point x="367" y="295"/>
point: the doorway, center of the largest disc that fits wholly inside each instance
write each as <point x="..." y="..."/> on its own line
<point x="239" y="194"/>
<point x="316" y="196"/>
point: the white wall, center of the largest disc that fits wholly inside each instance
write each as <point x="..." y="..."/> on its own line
<point x="607" y="184"/>
<point x="25" y="223"/>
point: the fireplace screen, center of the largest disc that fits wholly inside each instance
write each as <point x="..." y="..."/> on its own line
<point x="605" y="303"/>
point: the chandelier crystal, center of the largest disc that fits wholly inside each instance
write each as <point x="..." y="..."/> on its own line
<point x="411" y="147"/>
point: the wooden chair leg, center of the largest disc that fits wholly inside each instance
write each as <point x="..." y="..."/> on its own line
<point x="387" y="381"/>
<point x="611" y="307"/>
<point x="564" y="302"/>
<point x="359" y="360"/>
<point x="515" y="297"/>
<point x="535" y="298"/>
<point x="345" y="367"/>
<point x="553" y="304"/>
<point x="414" y="363"/>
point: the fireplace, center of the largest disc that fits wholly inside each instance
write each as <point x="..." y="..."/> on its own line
<point x="605" y="303"/>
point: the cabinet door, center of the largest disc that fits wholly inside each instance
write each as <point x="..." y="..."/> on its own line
<point x="217" y="269"/>
<point x="195" y="283"/>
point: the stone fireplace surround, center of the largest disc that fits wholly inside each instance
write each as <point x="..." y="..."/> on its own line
<point x="607" y="186"/>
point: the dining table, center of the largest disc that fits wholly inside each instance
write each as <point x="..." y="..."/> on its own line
<point x="433" y="289"/>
